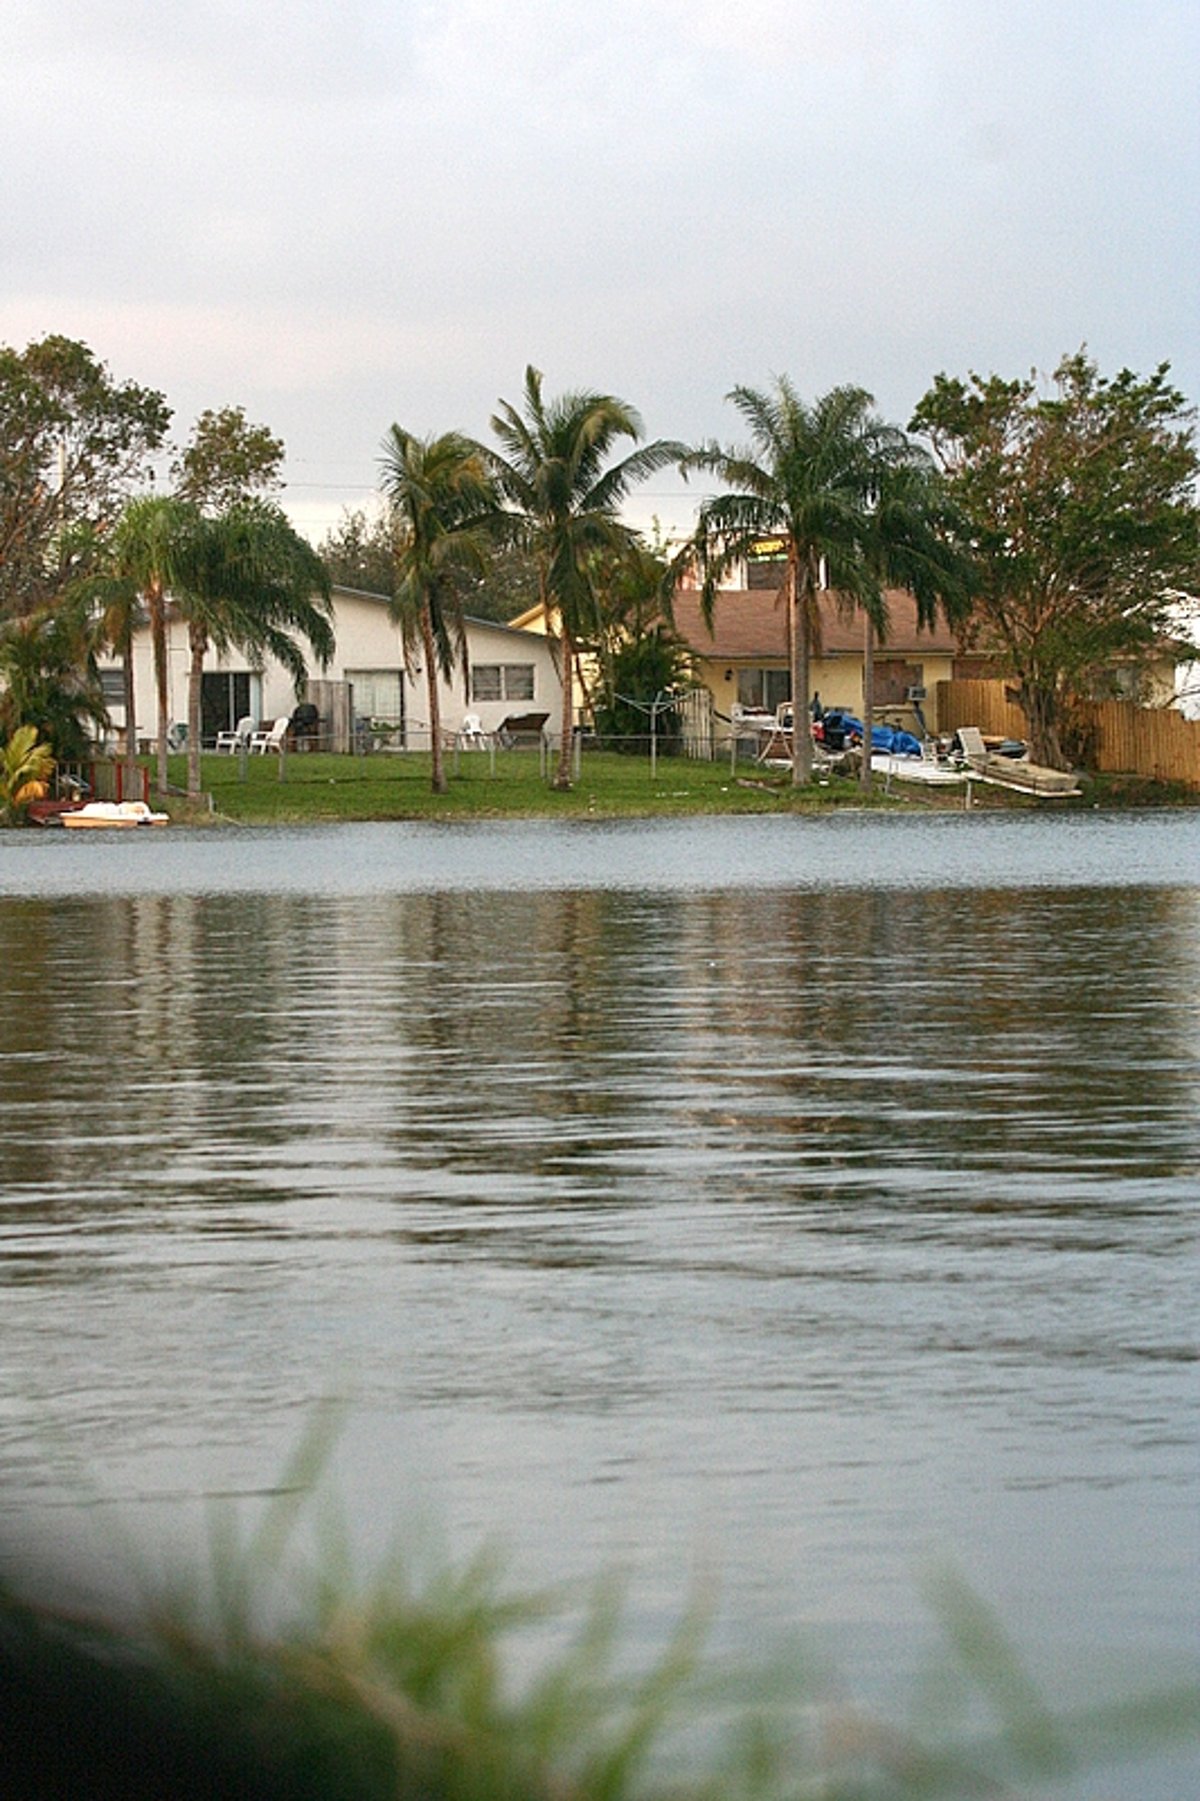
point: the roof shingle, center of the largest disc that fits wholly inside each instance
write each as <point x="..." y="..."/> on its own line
<point x="752" y="622"/>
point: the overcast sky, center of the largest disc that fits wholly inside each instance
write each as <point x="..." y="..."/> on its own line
<point x="340" y="215"/>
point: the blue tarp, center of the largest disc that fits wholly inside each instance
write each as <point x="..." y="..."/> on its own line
<point x="891" y="738"/>
<point x="883" y="737"/>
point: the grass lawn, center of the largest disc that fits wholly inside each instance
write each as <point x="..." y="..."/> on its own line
<point x="310" y="788"/>
<point x="318" y="786"/>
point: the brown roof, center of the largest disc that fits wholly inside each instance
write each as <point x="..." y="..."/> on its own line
<point x="752" y="622"/>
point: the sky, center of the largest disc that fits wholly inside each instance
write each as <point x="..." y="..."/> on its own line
<point x="340" y="216"/>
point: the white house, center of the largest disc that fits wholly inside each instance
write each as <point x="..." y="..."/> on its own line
<point x="365" y="692"/>
<point x="1186" y="620"/>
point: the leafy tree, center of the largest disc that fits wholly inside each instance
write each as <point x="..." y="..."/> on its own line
<point x="49" y="677"/>
<point x="72" y="441"/>
<point x="633" y="587"/>
<point x="246" y="579"/>
<point x="1081" y="509"/>
<point x="809" y="476"/>
<point x="649" y="664"/>
<point x="561" y="496"/>
<point x="226" y="460"/>
<point x="360" y="552"/>
<point x="443" y="506"/>
<point x="26" y="768"/>
<point x="505" y="585"/>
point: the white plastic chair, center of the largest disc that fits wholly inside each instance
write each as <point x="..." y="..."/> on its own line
<point x="229" y="743"/>
<point x="262" y="742"/>
<point x="471" y="735"/>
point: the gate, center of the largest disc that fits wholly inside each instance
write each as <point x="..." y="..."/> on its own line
<point x="696" y="717"/>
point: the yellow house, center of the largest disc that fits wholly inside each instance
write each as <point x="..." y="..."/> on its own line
<point x="743" y="660"/>
<point x="543" y="621"/>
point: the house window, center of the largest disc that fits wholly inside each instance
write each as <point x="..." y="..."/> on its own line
<point x="502" y="681"/>
<point x="767" y="688"/>
<point x="766" y="572"/>
<point x="112" y="687"/>
<point x="377" y="695"/>
<point x="225" y="698"/>
<point x="766" y="564"/>
<point x="893" y="679"/>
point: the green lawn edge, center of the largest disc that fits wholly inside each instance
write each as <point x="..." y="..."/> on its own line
<point x="324" y="788"/>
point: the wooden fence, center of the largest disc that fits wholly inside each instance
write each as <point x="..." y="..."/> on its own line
<point x="334" y="702"/>
<point x="1153" y="741"/>
<point x="1130" y="740"/>
<point x="985" y="704"/>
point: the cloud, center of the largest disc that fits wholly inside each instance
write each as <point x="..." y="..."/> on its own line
<point x="340" y="217"/>
<point x="295" y="49"/>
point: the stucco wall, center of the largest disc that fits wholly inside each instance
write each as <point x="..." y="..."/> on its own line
<point x="838" y="680"/>
<point x="367" y="639"/>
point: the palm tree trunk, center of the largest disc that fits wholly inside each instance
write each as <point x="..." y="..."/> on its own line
<point x="158" y="639"/>
<point x="130" y="778"/>
<point x="562" y="775"/>
<point x="438" y="778"/>
<point x="198" y="642"/>
<point x="798" y="610"/>
<point x="868" y="700"/>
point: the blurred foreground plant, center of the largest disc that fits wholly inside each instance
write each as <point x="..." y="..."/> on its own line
<point x="294" y="1683"/>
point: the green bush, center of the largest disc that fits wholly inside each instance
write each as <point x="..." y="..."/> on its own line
<point x="643" y="671"/>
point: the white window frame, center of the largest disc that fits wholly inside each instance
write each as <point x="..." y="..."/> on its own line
<point x="513" y="681"/>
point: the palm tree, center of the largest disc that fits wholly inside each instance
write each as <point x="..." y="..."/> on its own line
<point x="912" y="541"/>
<point x="246" y="580"/>
<point x="561" y="497"/>
<point x="149" y="544"/>
<point x="116" y="601"/>
<point x="807" y="478"/>
<point x="442" y="507"/>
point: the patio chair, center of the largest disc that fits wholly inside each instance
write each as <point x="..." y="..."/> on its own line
<point x="471" y="735"/>
<point x="230" y="743"/>
<point x="273" y="739"/>
<point x="974" y="750"/>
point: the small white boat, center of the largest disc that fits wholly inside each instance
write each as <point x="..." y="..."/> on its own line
<point x="107" y="814"/>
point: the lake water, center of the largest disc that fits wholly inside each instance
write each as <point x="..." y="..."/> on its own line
<point x="794" y="1201"/>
